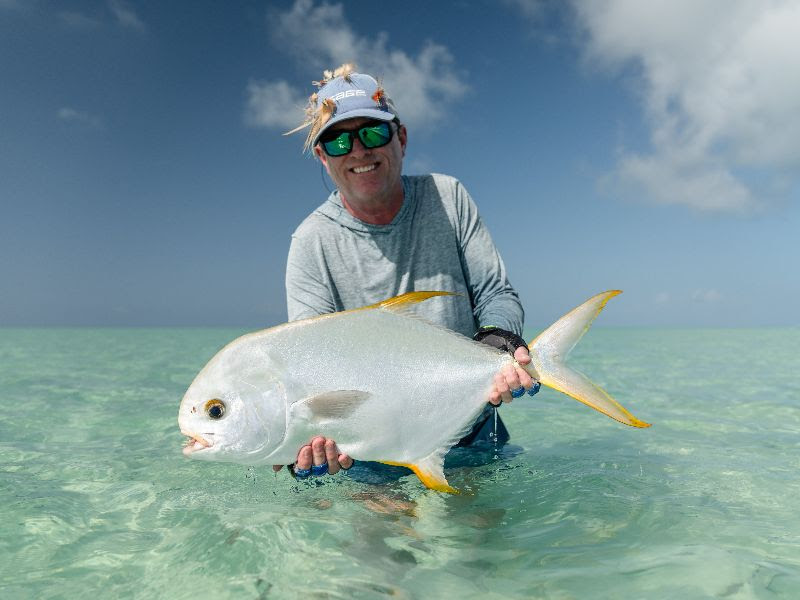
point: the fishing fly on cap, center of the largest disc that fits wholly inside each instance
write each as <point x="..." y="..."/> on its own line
<point x="344" y="94"/>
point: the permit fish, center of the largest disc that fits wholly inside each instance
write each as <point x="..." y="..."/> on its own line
<point x="387" y="385"/>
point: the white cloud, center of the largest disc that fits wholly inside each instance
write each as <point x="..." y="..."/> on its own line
<point x="531" y="9"/>
<point x="318" y="37"/>
<point x="70" y="114"/>
<point x="419" y="164"/>
<point x="121" y="11"/>
<point x="273" y="104"/>
<point x="706" y="296"/>
<point x="125" y="15"/>
<point x="720" y="93"/>
<point x="674" y="177"/>
<point x="78" y="20"/>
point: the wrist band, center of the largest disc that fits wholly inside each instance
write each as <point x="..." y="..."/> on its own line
<point x="507" y="341"/>
<point x="318" y="470"/>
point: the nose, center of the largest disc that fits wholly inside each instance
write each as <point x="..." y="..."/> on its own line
<point x="358" y="148"/>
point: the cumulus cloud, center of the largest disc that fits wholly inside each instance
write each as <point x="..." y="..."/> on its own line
<point x="418" y="164"/>
<point x="121" y="11"/>
<point x="697" y="296"/>
<point x="318" y="37"/>
<point x="532" y="9"/>
<point x="70" y="114"/>
<point x="273" y="104"/>
<point x="701" y="296"/>
<point x="125" y="15"/>
<point x="77" y="20"/>
<point x="719" y="92"/>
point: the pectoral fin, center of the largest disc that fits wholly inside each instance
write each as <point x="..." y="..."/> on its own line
<point x="336" y="404"/>
<point x="430" y="471"/>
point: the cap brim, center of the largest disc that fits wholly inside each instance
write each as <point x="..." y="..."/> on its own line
<point x="372" y="113"/>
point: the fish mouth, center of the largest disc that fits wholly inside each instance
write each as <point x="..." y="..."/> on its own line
<point x="194" y="443"/>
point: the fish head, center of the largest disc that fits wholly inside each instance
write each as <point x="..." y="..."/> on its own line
<point x="233" y="412"/>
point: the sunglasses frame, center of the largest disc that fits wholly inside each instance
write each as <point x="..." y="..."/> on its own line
<point x="328" y="137"/>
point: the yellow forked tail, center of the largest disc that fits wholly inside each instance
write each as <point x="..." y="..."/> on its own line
<point x="549" y="352"/>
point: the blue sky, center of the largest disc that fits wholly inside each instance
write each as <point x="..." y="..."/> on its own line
<point x="652" y="147"/>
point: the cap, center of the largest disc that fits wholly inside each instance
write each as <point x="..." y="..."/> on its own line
<point x="357" y="95"/>
<point x="344" y="94"/>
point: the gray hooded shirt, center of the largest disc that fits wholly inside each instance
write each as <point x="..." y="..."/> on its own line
<point x="437" y="241"/>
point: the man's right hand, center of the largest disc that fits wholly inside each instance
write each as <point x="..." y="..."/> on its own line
<point x="318" y="452"/>
<point x="512" y="377"/>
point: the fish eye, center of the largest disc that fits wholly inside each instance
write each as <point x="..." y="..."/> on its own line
<point x="215" y="409"/>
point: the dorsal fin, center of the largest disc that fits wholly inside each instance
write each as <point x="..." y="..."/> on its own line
<point x="403" y="300"/>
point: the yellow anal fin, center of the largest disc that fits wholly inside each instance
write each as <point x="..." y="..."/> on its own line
<point x="409" y="298"/>
<point x="431" y="480"/>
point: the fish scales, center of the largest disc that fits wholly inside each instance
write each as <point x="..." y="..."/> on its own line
<point x="385" y="385"/>
<point x="416" y="374"/>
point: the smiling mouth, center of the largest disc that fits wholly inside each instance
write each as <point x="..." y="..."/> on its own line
<point x="364" y="168"/>
<point x="194" y="443"/>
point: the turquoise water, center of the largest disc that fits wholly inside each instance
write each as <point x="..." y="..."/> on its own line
<point x="97" y="498"/>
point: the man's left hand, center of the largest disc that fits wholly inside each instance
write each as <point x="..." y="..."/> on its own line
<point x="320" y="451"/>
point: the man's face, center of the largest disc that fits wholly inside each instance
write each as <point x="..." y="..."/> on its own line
<point x="367" y="176"/>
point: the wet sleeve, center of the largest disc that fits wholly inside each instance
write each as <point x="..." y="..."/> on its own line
<point x="309" y="290"/>
<point x="494" y="300"/>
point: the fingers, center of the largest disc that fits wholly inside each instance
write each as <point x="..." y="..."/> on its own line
<point x="523" y="378"/>
<point x="501" y="388"/>
<point x="318" y="457"/>
<point x="511" y="378"/>
<point x="522" y="356"/>
<point x="303" y="458"/>
<point x="336" y="461"/>
<point x="318" y="450"/>
<point x="332" y="456"/>
<point x="511" y="381"/>
<point x="345" y="461"/>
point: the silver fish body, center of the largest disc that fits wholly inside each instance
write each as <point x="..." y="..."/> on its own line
<point x="385" y="385"/>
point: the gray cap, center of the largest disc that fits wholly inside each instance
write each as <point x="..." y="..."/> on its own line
<point x="355" y="95"/>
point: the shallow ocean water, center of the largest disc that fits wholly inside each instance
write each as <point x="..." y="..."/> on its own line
<point x="97" y="498"/>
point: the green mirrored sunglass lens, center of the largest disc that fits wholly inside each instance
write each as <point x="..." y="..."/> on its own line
<point x="373" y="137"/>
<point x="340" y="145"/>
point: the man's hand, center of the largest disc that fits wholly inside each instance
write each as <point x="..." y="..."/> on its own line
<point x="511" y="377"/>
<point x="512" y="381"/>
<point x="319" y="452"/>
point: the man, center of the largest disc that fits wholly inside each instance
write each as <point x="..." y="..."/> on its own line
<point x="381" y="234"/>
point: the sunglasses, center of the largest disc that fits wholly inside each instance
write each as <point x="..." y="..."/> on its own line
<point x="372" y="135"/>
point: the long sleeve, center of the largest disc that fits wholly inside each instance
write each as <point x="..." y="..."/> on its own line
<point x="494" y="300"/>
<point x="309" y="290"/>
